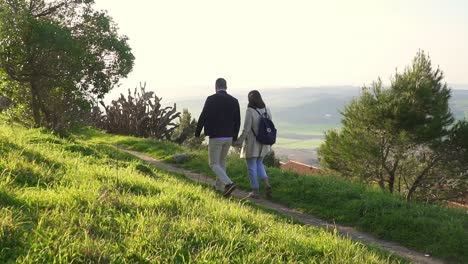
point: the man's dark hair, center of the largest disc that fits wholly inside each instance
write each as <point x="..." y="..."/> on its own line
<point x="255" y="100"/>
<point x="221" y="83"/>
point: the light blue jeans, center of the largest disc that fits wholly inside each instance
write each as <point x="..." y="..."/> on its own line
<point x="256" y="169"/>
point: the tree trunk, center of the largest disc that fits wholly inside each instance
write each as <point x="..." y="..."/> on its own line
<point x="391" y="183"/>
<point x="382" y="183"/>
<point x="420" y="178"/>
<point x="391" y="174"/>
<point x="35" y="104"/>
<point x="399" y="185"/>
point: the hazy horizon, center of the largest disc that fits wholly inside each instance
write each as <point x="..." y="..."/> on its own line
<point x="181" y="47"/>
<point x="210" y="90"/>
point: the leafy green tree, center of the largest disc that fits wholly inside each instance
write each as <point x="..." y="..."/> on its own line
<point x="401" y="137"/>
<point x="185" y="132"/>
<point x="60" y="53"/>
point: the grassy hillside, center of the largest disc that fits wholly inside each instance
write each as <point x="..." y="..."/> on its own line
<point x="428" y="228"/>
<point x="77" y="200"/>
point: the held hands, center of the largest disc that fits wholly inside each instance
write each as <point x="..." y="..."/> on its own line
<point x="237" y="144"/>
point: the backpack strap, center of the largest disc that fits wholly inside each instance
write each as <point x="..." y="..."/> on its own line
<point x="261" y="115"/>
<point x="264" y="114"/>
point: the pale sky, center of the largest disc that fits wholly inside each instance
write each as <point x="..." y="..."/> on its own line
<point x="181" y="47"/>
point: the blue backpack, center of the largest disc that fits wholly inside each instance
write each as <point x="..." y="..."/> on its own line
<point x="266" y="130"/>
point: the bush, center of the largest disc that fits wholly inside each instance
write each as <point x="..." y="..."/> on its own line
<point x="270" y="160"/>
<point x="140" y="115"/>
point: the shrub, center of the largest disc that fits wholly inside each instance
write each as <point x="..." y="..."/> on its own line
<point x="140" y="115"/>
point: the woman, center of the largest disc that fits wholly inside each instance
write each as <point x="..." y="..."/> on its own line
<point x="252" y="150"/>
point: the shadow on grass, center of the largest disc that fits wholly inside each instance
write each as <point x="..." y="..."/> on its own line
<point x="21" y="220"/>
<point x="29" y="175"/>
<point x="161" y="149"/>
<point x="7" y="146"/>
<point x="137" y="189"/>
<point x="101" y="152"/>
<point x="47" y="140"/>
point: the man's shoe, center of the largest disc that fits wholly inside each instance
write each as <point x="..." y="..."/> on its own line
<point x="228" y="189"/>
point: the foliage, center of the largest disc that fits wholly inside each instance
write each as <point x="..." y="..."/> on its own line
<point x="184" y="134"/>
<point x="270" y="160"/>
<point x="401" y="137"/>
<point x="56" y="54"/>
<point x="75" y="201"/>
<point x="139" y="115"/>
<point x="429" y="228"/>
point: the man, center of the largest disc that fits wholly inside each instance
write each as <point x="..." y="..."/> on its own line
<point x="220" y="119"/>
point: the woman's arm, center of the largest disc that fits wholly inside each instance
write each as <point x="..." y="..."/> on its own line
<point x="247" y="127"/>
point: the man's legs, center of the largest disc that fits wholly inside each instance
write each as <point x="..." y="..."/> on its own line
<point x="219" y="186"/>
<point x="217" y="154"/>
<point x="224" y="154"/>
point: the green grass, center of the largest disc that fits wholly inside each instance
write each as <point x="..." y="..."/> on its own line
<point x="78" y="200"/>
<point x="430" y="229"/>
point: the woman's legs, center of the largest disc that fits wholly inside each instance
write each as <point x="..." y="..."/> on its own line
<point x="263" y="175"/>
<point x="262" y="172"/>
<point x="256" y="169"/>
<point x="261" y="169"/>
<point x="252" y="170"/>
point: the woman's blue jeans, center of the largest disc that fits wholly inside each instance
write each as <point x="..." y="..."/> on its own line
<point x="256" y="169"/>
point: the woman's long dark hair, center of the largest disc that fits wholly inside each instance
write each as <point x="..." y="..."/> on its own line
<point x="255" y="100"/>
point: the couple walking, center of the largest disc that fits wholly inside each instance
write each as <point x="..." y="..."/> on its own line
<point x="220" y="119"/>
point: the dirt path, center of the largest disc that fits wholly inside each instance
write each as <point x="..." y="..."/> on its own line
<point x="306" y="219"/>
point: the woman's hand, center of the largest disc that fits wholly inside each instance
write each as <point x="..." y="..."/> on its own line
<point x="237" y="144"/>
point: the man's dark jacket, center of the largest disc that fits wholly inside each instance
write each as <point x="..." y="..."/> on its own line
<point x="220" y="116"/>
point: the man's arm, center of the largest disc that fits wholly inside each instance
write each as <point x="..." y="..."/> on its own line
<point x="202" y="119"/>
<point x="237" y="121"/>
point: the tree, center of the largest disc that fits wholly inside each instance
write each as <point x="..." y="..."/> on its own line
<point x="448" y="179"/>
<point x="185" y="132"/>
<point x="400" y="137"/>
<point x="61" y="53"/>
